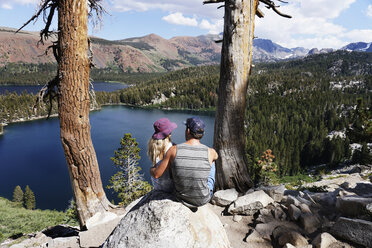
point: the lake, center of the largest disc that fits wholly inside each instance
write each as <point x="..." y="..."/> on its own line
<point x="31" y="152"/>
<point x="98" y="86"/>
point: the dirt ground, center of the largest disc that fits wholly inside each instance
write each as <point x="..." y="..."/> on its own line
<point x="236" y="231"/>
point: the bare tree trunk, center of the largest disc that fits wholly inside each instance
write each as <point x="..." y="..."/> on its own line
<point x="229" y="133"/>
<point x="73" y="106"/>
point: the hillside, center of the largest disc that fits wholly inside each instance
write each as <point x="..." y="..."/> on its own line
<point x="15" y="221"/>
<point x="150" y="53"/>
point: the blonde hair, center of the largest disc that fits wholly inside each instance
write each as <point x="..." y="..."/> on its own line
<point x="156" y="148"/>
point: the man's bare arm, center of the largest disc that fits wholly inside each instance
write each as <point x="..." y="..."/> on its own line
<point x="157" y="172"/>
<point x="213" y="155"/>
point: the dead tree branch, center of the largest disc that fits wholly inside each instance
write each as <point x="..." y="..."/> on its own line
<point x="213" y="1"/>
<point x="45" y="33"/>
<point x="48" y="91"/>
<point x="271" y="5"/>
<point x="97" y="10"/>
<point x="42" y="8"/>
<point x="259" y="13"/>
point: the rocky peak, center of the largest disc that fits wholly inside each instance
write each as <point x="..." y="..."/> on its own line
<point x="321" y="51"/>
<point x="358" y="46"/>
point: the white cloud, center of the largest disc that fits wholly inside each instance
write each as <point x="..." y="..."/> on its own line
<point x="8" y="4"/>
<point x="322" y="8"/>
<point x="178" y="19"/>
<point x="312" y="25"/>
<point x="189" y="7"/>
<point x="364" y="35"/>
<point x="215" y="27"/>
<point x="369" y="10"/>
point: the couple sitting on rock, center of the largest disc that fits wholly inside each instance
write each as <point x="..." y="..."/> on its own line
<point x="186" y="169"/>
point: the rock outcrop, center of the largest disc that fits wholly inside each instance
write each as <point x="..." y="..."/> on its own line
<point x="268" y="217"/>
<point x="338" y="217"/>
<point x="158" y="220"/>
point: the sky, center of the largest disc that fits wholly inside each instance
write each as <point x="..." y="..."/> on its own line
<point x="314" y="23"/>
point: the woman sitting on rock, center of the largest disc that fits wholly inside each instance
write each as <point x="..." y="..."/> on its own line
<point x="158" y="146"/>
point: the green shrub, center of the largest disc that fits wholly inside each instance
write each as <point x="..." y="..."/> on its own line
<point x="71" y="213"/>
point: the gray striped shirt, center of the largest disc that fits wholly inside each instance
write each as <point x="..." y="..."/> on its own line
<point x="190" y="171"/>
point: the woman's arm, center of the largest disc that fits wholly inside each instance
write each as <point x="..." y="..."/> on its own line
<point x="158" y="171"/>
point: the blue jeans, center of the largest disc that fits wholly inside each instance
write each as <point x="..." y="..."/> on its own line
<point x="211" y="178"/>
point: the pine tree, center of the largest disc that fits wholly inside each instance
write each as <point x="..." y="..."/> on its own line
<point x="18" y="194"/>
<point x="29" y="201"/>
<point x="128" y="182"/>
<point x="365" y="155"/>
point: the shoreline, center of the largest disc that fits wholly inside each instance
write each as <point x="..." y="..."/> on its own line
<point x="34" y="118"/>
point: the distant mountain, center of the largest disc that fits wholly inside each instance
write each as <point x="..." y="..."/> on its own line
<point x="321" y="51"/>
<point x="358" y="46"/>
<point x="150" y="53"/>
<point x="265" y="50"/>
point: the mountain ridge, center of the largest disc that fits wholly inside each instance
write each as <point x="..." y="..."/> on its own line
<point x="149" y="53"/>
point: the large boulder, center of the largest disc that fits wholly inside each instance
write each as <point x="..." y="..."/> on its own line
<point x="250" y="203"/>
<point x="283" y="235"/>
<point x="310" y="222"/>
<point x="353" y="205"/>
<point x="294" y="212"/>
<point x="363" y="189"/>
<point x="99" y="228"/>
<point x="354" y="230"/>
<point x="324" y="198"/>
<point x="323" y="240"/>
<point x="224" y="197"/>
<point x="265" y="230"/>
<point x="275" y="192"/>
<point x="158" y="220"/>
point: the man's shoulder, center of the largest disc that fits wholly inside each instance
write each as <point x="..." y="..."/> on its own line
<point x="211" y="149"/>
<point x="213" y="152"/>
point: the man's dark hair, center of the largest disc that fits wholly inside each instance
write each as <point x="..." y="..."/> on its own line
<point x="196" y="135"/>
<point x="196" y="127"/>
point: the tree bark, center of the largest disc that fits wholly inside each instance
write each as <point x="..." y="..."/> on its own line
<point x="73" y="106"/>
<point x="229" y="132"/>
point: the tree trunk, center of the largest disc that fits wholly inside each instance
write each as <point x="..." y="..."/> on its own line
<point x="73" y="106"/>
<point x="229" y="133"/>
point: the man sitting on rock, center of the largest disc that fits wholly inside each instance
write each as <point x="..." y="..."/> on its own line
<point x="192" y="166"/>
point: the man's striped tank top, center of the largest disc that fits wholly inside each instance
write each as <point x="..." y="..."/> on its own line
<point x="190" y="171"/>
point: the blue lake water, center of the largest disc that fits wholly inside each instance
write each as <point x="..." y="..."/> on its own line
<point x="31" y="152"/>
<point x="98" y="86"/>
